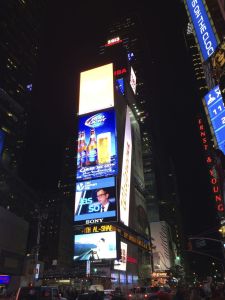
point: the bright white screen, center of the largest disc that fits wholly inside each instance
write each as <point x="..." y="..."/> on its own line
<point x="96" y="89"/>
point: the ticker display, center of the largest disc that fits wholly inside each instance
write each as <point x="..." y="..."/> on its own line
<point x="215" y="105"/>
<point x="97" y="151"/>
<point x="95" y="199"/>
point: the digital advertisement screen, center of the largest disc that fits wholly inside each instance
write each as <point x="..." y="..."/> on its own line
<point x="203" y="28"/>
<point x="122" y="263"/>
<point x="95" y="246"/>
<point x="95" y="199"/>
<point x="4" y="279"/>
<point x="97" y="148"/>
<point x="215" y="105"/>
<point x="96" y="89"/>
<point x="133" y="80"/>
<point x="126" y="173"/>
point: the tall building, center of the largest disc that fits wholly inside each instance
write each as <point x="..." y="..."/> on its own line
<point x="205" y="40"/>
<point x="20" y="32"/>
<point x="129" y="33"/>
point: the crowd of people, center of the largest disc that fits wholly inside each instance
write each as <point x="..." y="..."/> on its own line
<point x="201" y="292"/>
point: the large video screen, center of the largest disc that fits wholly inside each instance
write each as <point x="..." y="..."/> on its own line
<point x="216" y="109"/>
<point x="95" y="199"/>
<point x="97" y="151"/>
<point x="96" y="89"/>
<point x="95" y="246"/>
<point x="4" y="279"/>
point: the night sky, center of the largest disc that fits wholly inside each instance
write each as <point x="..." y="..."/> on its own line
<point x="70" y="38"/>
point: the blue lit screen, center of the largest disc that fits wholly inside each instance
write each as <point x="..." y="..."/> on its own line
<point x="120" y="84"/>
<point x="2" y="139"/>
<point x="216" y="109"/>
<point x="88" y="206"/>
<point x="4" y="279"/>
<point x="204" y="32"/>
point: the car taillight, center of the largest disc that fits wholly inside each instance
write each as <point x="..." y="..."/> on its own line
<point x="129" y="295"/>
<point x="145" y="296"/>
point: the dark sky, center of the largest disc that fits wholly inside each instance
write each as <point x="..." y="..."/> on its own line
<point x="71" y="32"/>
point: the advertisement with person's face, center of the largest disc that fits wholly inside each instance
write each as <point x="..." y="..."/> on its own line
<point x="95" y="199"/>
<point x="95" y="246"/>
<point x="97" y="150"/>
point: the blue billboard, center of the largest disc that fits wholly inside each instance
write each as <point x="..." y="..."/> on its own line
<point x="97" y="150"/>
<point x="216" y="109"/>
<point x="203" y="29"/>
<point x="95" y="199"/>
<point x="4" y="279"/>
<point x="2" y="140"/>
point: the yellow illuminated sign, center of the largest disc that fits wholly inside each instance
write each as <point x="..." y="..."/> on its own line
<point x="130" y="237"/>
<point x="96" y="89"/>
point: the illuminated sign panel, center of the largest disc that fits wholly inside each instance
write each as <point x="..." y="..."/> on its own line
<point x="97" y="152"/>
<point x="120" y="86"/>
<point x="204" y="32"/>
<point x="215" y="184"/>
<point x="90" y="195"/>
<point x="126" y="173"/>
<point x="113" y="41"/>
<point x="133" y="80"/>
<point x="95" y="246"/>
<point x="215" y="105"/>
<point x="2" y="140"/>
<point x="96" y="89"/>
<point x="4" y="279"/>
<point x="122" y="263"/>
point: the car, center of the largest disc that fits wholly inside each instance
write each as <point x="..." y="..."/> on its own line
<point x="38" y="293"/>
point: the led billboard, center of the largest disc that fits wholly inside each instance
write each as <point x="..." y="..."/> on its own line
<point x="133" y="80"/>
<point x="97" y="151"/>
<point x="95" y="199"/>
<point x="95" y="246"/>
<point x="122" y="263"/>
<point x="2" y="140"/>
<point x="4" y="279"/>
<point x="203" y="28"/>
<point x="126" y="173"/>
<point x="96" y="89"/>
<point x="215" y="105"/>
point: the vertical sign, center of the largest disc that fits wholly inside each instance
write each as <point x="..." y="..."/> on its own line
<point x="133" y="80"/>
<point x="203" y="29"/>
<point x="126" y="172"/>
<point x="122" y="263"/>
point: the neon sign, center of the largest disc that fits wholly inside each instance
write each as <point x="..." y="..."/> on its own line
<point x="212" y="171"/>
<point x="120" y="72"/>
<point x="113" y="41"/>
